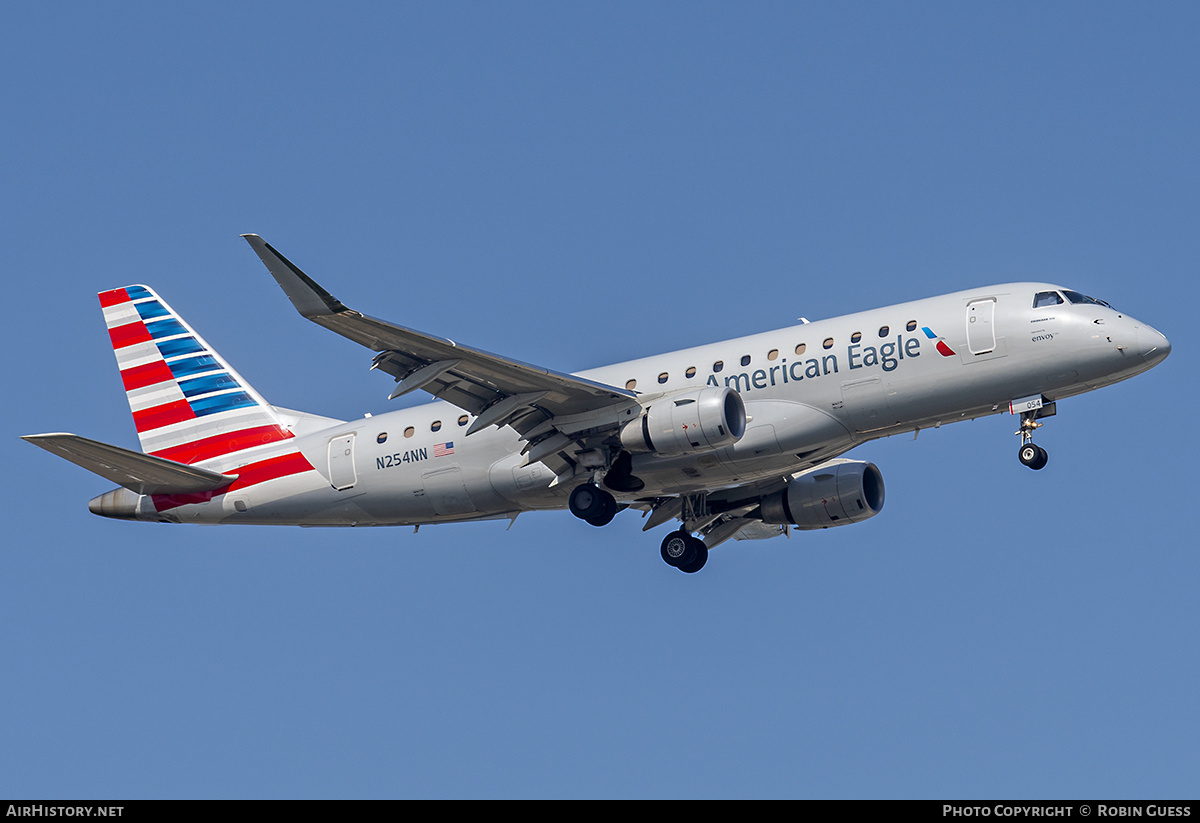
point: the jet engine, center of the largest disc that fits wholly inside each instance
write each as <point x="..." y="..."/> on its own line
<point x="687" y="423"/>
<point x="845" y="491"/>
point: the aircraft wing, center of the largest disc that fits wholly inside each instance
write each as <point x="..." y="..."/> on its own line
<point x="535" y="401"/>
<point x="141" y="473"/>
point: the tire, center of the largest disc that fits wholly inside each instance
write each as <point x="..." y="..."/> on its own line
<point x="1041" y="459"/>
<point x="1029" y="454"/>
<point x="588" y="501"/>
<point x="610" y="511"/>
<point x="699" y="560"/>
<point x="678" y="549"/>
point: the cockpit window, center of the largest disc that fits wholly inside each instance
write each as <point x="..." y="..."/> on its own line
<point x="1076" y="297"/>
<point x="1046" y="298"/>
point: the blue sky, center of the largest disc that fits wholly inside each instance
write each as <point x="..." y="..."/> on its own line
<point x="572" y="185"/>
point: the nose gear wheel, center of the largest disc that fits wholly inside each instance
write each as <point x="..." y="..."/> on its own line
<point x="1031" y="454"/>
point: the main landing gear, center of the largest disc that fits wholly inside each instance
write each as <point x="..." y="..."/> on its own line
<point x="684" y="552"/>
<point x="679" y="549"/>
<point x="593" y="504"/>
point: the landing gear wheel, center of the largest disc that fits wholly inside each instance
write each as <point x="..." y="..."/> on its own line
<point x="610" y="511"/>
<point x="592" y="504"/>
<point x="679" y="549"/>
<point x="1033" y="456"/>
<point x="1040" y="463"/>
<point x="699" y="560"/>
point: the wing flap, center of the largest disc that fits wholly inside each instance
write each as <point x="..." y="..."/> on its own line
<point x="141" y="473"/>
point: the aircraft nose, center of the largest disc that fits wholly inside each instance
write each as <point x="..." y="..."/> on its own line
<point x="1153" y="345"/>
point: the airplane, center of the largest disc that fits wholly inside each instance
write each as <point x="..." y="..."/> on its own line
<point x="740" y="439"/>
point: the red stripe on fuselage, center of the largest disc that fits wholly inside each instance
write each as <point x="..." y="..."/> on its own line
<point x="128" y="334"/>
<point x="156" y="417"/>
<point x="221" y="444"/>
<point x="251" y="474"/>
<point x="146" y="375"/>
<point x="113" y="297"/>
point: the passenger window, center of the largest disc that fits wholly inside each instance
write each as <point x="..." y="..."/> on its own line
<point x="630" y="384"/>
<point x="828" y="343"/>
<point x="691" y="371"/>
<point x="745" y="360"/>
<point x="436" y="425"/>
<point x="462" y="421"/>
<point x="912" y="325"/>
<point x="1046" y="298"/>
<point x="884" y="331"/>
<point x="773" y="354"/>
<point x="381" y="437"/>
<point x="856" y="337"/>
<point x="662" y="378"/>
<point x="410" y="431"/>
<point x="718" y="365"/>
<point x="800" y="348"/>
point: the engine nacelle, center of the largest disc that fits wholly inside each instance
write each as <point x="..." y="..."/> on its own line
<point x="835" y="494"/>
<point x="687" y="423"/>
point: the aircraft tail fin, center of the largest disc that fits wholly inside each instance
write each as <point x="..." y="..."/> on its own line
<point x="188" y="404"/>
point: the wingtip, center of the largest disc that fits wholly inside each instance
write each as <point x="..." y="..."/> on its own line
<point x="34" y="438"/>
<point x="305" y="293"/>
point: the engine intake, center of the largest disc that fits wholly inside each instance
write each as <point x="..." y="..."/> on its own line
<point x="835" y="494"/>
<point x="687" y="423"/>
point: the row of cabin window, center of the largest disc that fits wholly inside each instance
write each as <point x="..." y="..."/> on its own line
<point x="436" y="425"/>
<point x="773" y="354"/>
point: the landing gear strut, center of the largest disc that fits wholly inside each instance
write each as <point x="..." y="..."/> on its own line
<point x="684" y="552"/>
<point x="1030" y="454"/>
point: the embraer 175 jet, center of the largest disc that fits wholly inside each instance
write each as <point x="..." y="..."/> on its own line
<point x="738" y="439"/>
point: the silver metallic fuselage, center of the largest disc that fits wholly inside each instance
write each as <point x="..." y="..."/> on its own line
<point x="811" y="393"/>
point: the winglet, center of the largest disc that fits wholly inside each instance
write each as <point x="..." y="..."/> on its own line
<point x="306" y="295"/>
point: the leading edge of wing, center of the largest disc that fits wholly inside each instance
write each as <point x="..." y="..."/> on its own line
<point x="569" y="394"/>
<point x="305" y="293"/>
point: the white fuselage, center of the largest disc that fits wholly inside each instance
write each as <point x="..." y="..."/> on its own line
<point x="811" y="392"/>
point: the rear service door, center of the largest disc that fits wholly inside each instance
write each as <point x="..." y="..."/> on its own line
<point x="341" y="462"/>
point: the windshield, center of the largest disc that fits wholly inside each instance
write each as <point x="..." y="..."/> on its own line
<point x="1076" y="297"/>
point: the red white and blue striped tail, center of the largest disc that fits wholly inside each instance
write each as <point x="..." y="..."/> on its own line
<point x="188" y="404"/>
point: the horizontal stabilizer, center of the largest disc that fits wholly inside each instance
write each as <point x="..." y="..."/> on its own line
<point x="137" y="472"/>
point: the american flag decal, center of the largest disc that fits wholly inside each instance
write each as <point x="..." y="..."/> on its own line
<point x="443" y="449"/>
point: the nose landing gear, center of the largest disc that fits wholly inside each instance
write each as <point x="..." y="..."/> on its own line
<point x="1031" y="454"/>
